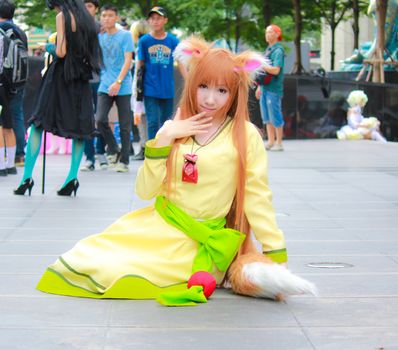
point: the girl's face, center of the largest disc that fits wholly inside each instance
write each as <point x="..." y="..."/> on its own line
<point x="212" y="98"/>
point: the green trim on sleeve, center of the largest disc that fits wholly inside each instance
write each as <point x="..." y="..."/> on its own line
<point x="153" y="152"/>
<point x="278" y="256"/>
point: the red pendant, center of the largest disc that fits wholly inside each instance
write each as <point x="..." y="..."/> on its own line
<point x="189" y="169"/>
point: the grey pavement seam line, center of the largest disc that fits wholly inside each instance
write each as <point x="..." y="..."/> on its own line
<point x="326" y="273"/>
<point x="303" y="297"/>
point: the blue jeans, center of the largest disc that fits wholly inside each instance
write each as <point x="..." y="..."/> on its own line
<point x="271" y="108"/>
<point x="89" y="149"/>
<point x="157" y="110"/>
<point x="16" y="107"/>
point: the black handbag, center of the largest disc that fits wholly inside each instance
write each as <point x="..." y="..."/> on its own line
<point x="140" y="84"/>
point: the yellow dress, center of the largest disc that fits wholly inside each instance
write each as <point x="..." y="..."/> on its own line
<point x="140" y="255"/>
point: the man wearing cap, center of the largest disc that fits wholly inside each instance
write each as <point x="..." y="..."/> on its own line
<point x="155" y="53"/>
<point x="270" y="91"/>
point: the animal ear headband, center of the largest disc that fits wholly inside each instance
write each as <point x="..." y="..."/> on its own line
<point x="190" y="51"/>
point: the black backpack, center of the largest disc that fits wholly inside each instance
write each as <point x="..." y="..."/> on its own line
<point x="13" y="59"/>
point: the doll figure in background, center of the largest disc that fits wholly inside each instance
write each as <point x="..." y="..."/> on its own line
<point x="359" y="127"/>
<point x="207" y="171"/>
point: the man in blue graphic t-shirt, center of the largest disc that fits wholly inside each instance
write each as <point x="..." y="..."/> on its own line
<point x="155" y="53"/>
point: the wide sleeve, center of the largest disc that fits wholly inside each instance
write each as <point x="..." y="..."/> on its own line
<point x="152" y="173"/>
<point x="258" y="200"/>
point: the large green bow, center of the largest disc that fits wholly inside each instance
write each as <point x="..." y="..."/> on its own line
<point x="217" y="244"/>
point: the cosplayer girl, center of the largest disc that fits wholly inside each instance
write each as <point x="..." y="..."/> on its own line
<point x="207" y="169"/>
<point x="64" y="103"/>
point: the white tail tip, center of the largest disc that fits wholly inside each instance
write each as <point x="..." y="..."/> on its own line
<point x="274" y="279"/>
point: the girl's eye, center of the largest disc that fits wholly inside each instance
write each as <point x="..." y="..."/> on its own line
<point x="223" y="91"/>
<point x="203" y="86"/>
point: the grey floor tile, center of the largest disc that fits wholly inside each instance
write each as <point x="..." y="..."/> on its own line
<point x="353" y="338"/>
<point x="102" y="213"/>
<point x="7" y="212"/>
<point x="320" y="234"/>
<point x="67" y="221"/>
<point x="35" y="247"/>
<point x="355" y="284"/>
<point x="6" y="232"/>
<point x="289" y="205"/>
<point x="66" y="338"/>
<point x="23" y="285"/>
<point x="258" y="313"/>
<point x="370" y="222"/>
<point x="303" y="214"/>
<point x="53" y="311"/>
<point x="12" y="221"/>
<point x="342" y="195"/>
<point x="310" y="224"/>
<point x="52" y="234"/>
<point x="353" y="213"/>
<point x="207" y="338"/>
<point x="360" y="265"/>
<point x="386" y="234"/>
<point x="345" y="312"/>
<point x="22" y="264"/>
<point x="328" y="206"/>
<point x="335" y="248"/>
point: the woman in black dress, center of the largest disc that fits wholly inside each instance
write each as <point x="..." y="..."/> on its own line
<point x="64" y="103"/>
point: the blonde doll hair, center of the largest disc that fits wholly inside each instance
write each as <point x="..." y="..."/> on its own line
<point x="138" y="29"/>
<point x="215" y="66"/>
<point x="52" y="38"/>
<point x="357" y="98"/>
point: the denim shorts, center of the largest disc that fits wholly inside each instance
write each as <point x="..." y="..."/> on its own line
<point x="271" y="108"/>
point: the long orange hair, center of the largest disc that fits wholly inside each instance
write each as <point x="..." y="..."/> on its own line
<point x="215" y="66"/>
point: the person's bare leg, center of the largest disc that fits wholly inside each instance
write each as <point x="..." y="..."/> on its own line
<point x="11" y="146"/>
<point x="279" y="135"/>
<point x="9" y="137"/>
<point x="270" y="134"/>
<point x="1" y="137"/>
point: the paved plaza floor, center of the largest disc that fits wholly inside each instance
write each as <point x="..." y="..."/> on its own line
<point x="337" y="203"/>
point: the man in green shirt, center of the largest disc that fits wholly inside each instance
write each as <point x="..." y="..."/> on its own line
<point x="271" y="91"/>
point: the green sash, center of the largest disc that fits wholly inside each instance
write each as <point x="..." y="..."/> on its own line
<point x="217" y="245"/>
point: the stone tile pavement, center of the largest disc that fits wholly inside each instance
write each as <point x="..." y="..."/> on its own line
<point x="337" y="202"/>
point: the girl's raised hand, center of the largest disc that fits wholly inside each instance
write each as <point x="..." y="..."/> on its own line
<point x="179" y="128"/>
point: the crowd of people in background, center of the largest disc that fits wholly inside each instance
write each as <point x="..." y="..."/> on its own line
<point x="137" y="75"/>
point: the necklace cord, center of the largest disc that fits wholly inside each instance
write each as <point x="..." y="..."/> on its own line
<point x="209" y="139"/>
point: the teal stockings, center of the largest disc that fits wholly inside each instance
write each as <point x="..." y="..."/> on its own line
<point x="33" y="150"/>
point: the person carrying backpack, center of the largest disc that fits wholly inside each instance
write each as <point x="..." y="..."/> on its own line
<point x="16" y="77"/>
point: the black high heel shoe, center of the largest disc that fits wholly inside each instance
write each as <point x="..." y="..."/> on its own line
<point x="26" y="185"/>
<point x="70" y="187"/>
